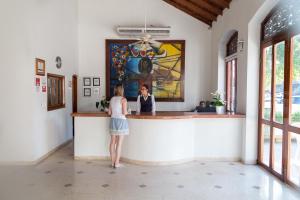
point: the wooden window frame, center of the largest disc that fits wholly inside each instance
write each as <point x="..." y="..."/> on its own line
<point x="233" y="38"/>
<point x="229" y="78"/>
<point x="230" y="57"/>
<point x="285" y="36"/>
<point x="62" y="96"/>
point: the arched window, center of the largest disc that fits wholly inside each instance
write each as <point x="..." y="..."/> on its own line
<point x="232" y="45"/>
<point x="282" y="19"/>
<point x="231" y="72"/>
<point x="279" y="116"/>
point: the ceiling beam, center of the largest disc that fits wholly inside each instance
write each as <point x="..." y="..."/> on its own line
<point x="188" y="11"/>
<point x="200" y="9"/>
<point x="196" y="9"/>
<point x="220" y="3"/>
<point x="209" y="7"/>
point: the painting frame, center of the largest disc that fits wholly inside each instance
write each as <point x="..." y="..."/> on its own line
<point x="87" y="81"/>
<point x="40" y="67"/>
<point x="87" y="92"/>
<point x="109" y="42"/>
<point x="96" y="81"/>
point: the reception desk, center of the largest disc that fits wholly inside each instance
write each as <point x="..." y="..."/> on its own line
<point x="163" y="138"/>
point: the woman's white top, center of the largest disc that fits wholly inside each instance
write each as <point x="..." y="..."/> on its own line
<point x="138" y="103"/>
<point x="116" y="107"/>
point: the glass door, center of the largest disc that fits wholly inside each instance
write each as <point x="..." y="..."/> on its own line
<point x="279" y="119"/>
<point x="272" y="108"/>
<point x="266" y="99"/>
<point x="279" y="107"/>
<point x="293" y="174"/>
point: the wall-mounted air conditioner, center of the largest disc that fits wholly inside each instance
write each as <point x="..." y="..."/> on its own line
<point x="138" y="31"/>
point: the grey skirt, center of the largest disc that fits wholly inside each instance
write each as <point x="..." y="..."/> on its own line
<point x="118" y="126"/>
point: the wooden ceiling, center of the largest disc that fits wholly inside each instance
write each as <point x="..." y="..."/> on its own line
<point x="206" y="11"/>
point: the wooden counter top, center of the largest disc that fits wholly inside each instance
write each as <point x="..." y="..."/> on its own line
<point x="161" y="115"/>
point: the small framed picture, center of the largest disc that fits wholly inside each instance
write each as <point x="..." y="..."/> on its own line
<point x="87" y="92"/>
<point x="87" y="81"/>
<point x="96" y="91"/>
<point x="40" y="66"/>
<point x="96" y="81"/>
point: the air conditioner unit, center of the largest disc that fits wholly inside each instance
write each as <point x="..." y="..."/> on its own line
<point x="138" y="31"/>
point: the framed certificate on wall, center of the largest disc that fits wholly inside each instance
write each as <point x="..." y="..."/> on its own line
<point x="87" y="81"/>
<point x="40" y="66"/>
<point x="96" y="81"/>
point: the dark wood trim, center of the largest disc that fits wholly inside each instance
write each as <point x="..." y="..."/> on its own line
<point x="50" y="108"/>
<point x="203" y="10"/>
<point x="63" y="100"/>
<point x="265" y="167"/>
<point x="233" y="37"/>
<point x="190" y="12"/>
<point x="74" y="99"/>
<point x="220" y="3"/>
<point x="182" y="42"/>
<point x="56" y="75"/>
<point x="207" y="6"/>
<point x="196" y="9"/>
<point x="227" y="83"/>
<point x="286" y="108"/>
<point x="229" y="79"/>
<point x="74" y="92"/>
<point x="273" y="88"/>
<point x="271" y="164"/>
<point x="107" y="69"/>
<point x="293" y="129"/>
<point x="261" y="105"/>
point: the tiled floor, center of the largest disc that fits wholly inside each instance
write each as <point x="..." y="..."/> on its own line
<point x="61" y="178"/>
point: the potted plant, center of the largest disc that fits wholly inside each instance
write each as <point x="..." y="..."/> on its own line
<point x="104" y="104"/>
<point x="219" y="103"/>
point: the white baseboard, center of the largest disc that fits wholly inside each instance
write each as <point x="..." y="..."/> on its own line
<point x="249" y="162"/>
<point x="160" y="163"/>
<point x="39" y="160"/>
<point x="219" y="159"/>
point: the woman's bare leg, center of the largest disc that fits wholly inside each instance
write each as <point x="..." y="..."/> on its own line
<point x="119" y="149"/>
<point x="112" y="149"/>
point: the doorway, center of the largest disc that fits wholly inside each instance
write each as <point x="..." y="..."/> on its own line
<point x="279" y="107"/>
<point x="74" y="99"/>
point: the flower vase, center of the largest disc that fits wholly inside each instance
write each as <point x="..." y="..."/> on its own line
<point x="220" y="110"/>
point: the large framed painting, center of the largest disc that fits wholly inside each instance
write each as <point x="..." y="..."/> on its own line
<point x="161" y="68"/>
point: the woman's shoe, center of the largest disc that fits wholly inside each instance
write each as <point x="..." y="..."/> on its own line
<point x="118" y="165"/>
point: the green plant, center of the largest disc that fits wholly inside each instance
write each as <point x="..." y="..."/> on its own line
<point x="296" y="117"/>
<point x="217" y="100"/>
<point x="279" y="116"/>
<point x="104" y="103"/>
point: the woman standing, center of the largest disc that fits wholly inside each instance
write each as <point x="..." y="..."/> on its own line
<point x="145" y="101"/>
<point x="118" y="124"/>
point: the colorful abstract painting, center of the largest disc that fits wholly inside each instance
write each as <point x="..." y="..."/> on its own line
<point x="162" y="69"/>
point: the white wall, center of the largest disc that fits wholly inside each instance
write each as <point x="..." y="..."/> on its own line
<point x="97" y="22"/>
<point x="76" y="30"/>
<point x="30" y="29"/>
<point x="245" y="17"/>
